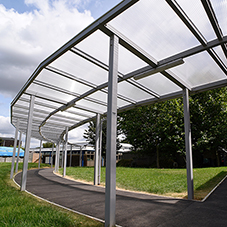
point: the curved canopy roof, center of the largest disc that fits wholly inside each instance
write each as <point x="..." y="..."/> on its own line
<point x="164" y="47"/>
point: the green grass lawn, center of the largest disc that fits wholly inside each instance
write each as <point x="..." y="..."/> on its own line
<point x="21" y="209"/>
<point x="169" y="182"/>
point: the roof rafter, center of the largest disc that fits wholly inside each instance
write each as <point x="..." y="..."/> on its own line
<point x="129" y="45"/>
<point x="183" y="16"/>
<point x="214" y="22"/>
<point x="106" y="67"/>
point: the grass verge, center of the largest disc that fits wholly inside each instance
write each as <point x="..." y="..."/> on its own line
<point x="167" y="182"/>
<point x="21" y="209"/>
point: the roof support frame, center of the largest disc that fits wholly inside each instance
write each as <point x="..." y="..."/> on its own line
<point x="117" y="10"/>
<point x="44" y="112"/>
<point x="195" y="31"/>
<point x="63" y="103"/>
<point x="84" y="82"/>
<point x="121" y="75"/>
<point x="143" y="55"/>
<point x="195" y="50"/>
<point x="58" y="89"/>
<point x="129" y="45"/>
<point x="53" y="120"/>
<point x="183" y="16"/>
<point x="214" y="22"/>
<point x="55" y="107"/>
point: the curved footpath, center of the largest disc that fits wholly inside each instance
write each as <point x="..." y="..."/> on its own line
<point x="132" y="209"/>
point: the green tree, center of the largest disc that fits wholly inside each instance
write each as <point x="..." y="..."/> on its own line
<point x="209" y="122"/>
<point x="48" y="145"/>
<point x="154" y="128"/>
<point x="158" y="129"/>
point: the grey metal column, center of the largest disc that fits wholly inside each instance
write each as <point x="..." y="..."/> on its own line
<point x="62" y="155"/>
<point x="52" y="154"/>
<point x="66" y="146"/>
<point x="188" y="145"/>
<point x="80" y="163"/>
<point x="70" y="160"/>
<point x="110" y="196"/>
<point x="40" y="149"/>
<point x="27" y="144"/>
<point x="57" y="158"/>
<point x="18" y="153"/>
<point x="96" y="167"/>
<point x="14" y="148"/>
<point x="100" y="153"/>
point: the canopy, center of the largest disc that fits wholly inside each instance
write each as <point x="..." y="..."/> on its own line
<point x="164" y="47"/>
<point x="8" y="152"/>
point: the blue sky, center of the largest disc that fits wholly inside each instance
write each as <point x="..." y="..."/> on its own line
<point x="28" y="31"/>
<point x="97" y="7"/>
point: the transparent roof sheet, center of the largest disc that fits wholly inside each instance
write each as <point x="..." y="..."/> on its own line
<point x="164" y="47"/>
<point x="160" y="32"/>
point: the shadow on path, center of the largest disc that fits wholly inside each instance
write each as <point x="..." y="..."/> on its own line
<point x="132" y="209"/>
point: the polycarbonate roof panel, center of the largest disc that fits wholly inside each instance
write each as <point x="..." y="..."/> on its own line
<point x="199" y="69"/>
<point x="155" y="28"/>
<point x="79" y="67"/>
<point x="220" y="9"/>
<point x="160" y="84"/>
<point x="128" y="90"/>
<point x="67" y="82"/>
<point x="97" y="46"/>
<point x="128" y="62"/>
<point x="195" y="11"/>
<point x="220" y="53"/>
<point x="164" y="47"/>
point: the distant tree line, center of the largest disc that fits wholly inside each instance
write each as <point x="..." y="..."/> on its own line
<point x="157" y="130"/>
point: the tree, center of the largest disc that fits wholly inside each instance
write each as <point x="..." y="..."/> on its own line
<point x="154" y="128"/>
<point x="48" y="145"/>
<point x="158" y="129"/>
<point x="209" y="122"/>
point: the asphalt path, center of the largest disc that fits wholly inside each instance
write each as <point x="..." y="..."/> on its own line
<point x="132" y="209"/>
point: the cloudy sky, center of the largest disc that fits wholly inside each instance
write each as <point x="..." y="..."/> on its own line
<point x="30" y="30"/>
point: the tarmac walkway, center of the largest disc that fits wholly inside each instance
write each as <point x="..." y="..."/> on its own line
<point x="132" y="209"/>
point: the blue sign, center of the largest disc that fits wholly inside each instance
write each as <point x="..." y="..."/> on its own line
<point x="8" y="152"/>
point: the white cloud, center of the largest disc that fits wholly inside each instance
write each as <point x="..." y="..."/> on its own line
<point x="76" y="135"/>
<point x="28" y="38"/>
<point x="6" y="129"/>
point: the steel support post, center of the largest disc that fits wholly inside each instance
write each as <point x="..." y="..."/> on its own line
<point x="27" y="144"/>
<point x="97" y="149"/>
<point x="57" y="157"/>
<point x="100" y="153"/>
<point x="62" y="155"/>
<point x="188" y="145"/>
<point x="52" y="154"/>
<point x="18" y="153"/>
<point x="70" y="160"/>
<point x="40" y="150"/>
<point x="80" y="156"/>
<point x="110" y="191"/>
<point x="14" y="148"/>
<point x="66" y="146"/>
